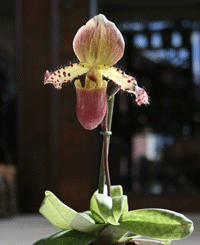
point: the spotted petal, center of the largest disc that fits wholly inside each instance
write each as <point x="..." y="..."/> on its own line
<point x="99" y="42"/>
<point x="141" y="96"/>
<point x="65" y="74"/>
<point x="126" y="83"/>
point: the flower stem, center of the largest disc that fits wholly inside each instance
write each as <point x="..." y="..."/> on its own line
<point x="104" y="175"/>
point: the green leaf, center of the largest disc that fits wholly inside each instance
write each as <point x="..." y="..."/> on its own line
<point x="63" y="217"/>
<point x="167" y="241"/>
<point x="120" y="206"/>
<point x="103" y="208"/>
<point x="128" y="236"/>
<point x="56" y="212"/>
<point x="96" y="213"/>
<point x="88" y="216"/>
<point x="110" y="235"/>
<point x="156" y="223"/>
<point x="116" y="190"/>
<point x="146" y="242"/>
<point x="106" y="209"/>
<point x="81" y="223"/>
<point x="70" y="237"/>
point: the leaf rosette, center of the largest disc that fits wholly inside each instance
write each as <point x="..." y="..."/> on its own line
<point x="109" y="221"/>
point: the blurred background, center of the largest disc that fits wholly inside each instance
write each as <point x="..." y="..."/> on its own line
<point x="155" y="150"/>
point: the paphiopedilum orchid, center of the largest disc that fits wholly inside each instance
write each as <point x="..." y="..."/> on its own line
<point x="98" y="45"/>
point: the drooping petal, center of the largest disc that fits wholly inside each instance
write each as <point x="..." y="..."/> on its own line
<point x="91" y="105"/>
<point x="65" y="74"/>
<point x="47" y="75"/>
<point x="141" y="96"/>
<point x="99" y="42"/>
<point x="126" y="83"/>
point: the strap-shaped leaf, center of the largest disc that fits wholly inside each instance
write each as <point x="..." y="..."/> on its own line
<point x="128" y="236"/>
<point x="63" y="217"/>
<point x="88" y="215"/>
<point x="110" y="235"/>
<point x="156" y="223"/>
<point x="82" y="224"/>
<point x="59" y="214"/>
<point x="68" y="237"/>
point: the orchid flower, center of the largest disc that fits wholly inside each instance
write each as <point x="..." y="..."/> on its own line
<point x="98" y="45"/>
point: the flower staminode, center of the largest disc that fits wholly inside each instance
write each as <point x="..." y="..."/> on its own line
<point x="98" y="45"/>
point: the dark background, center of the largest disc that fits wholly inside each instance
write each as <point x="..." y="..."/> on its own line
<point x="49" y="147"/>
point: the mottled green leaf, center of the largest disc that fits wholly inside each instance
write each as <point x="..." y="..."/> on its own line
<point x="128" y="236"/>
<point x="101" y="207"/>
<point x="106" y="209"/>
<point x="96" y="213"/>
<point x="88" y="216"/>
<point x="65" y="218"/>
<point x="116" y="190"/>
<point x="110" y="235"/>
<point x="156" y="223"/>
<point x="59" y="214"/>
<point x="67" y="237"/>
<point x="120" y="206"/>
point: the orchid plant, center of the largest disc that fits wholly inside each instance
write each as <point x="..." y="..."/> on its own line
<point x="99" y="45"/>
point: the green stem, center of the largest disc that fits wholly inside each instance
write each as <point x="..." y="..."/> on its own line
<point x="110" y="112"/>
<point x="104" y="175"/>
